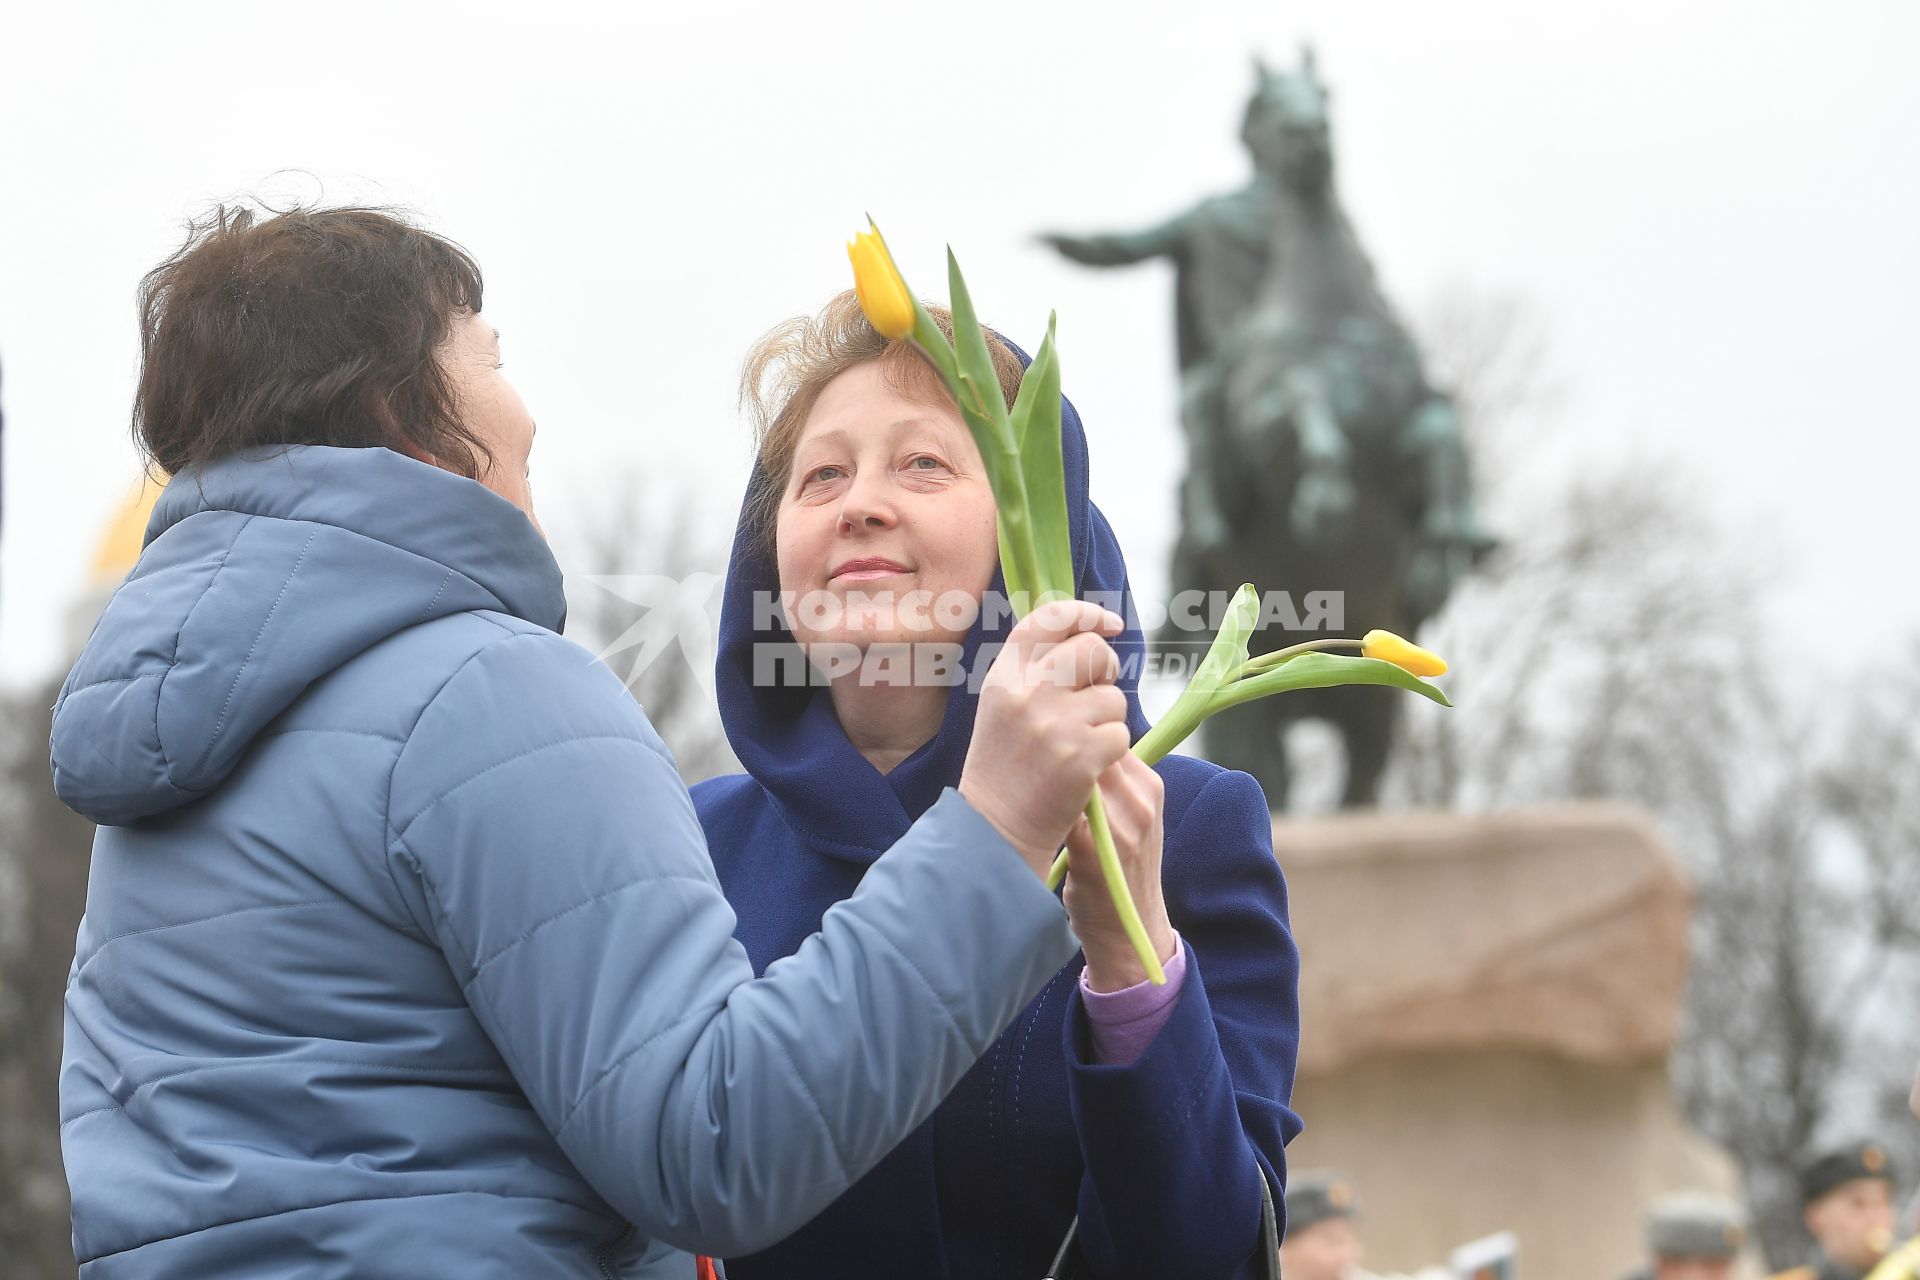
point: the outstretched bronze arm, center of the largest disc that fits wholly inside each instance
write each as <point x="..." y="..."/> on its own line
<point x="1121" y="249"/>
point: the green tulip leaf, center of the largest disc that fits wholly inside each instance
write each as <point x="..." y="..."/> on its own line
<point x="1224" y="657"/>
<point x="1036" y="428"/>
<point x="983" y="405"/>
<point x="1324" y="671"/>
<point x="1229" y="648"/>
<point x="977" y="375"/>
<point x="934" y="345"/>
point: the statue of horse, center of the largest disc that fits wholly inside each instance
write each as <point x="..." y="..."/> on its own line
<point x="1320" y="458"/>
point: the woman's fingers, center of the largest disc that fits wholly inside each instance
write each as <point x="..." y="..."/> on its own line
<point x="1048" y="725"/>
<point x="1134" y="799"/>
<point x="1059" y="621"/>
<point x="1102" y="704"/>
<point x="1134" y="796"/>
<point x="1136" y="790"/>
<point x="1082" y="660"/>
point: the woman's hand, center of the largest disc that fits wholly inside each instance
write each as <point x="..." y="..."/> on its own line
<point x="1136" y="802"/>
<point x="1050" y="720"/>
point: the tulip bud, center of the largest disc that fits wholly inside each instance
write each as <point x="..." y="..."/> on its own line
<point x="1389" y="647"/>
<point x="876" y="281"/>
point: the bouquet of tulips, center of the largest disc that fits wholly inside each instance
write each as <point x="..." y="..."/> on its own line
<point x="1021" y="451"/>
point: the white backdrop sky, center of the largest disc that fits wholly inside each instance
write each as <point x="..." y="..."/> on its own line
<point x="1714" y="209"/>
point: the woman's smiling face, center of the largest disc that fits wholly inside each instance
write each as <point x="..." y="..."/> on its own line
<point x="886" y="496"/>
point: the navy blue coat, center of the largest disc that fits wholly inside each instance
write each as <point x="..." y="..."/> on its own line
<point x="1159" y="1159"/>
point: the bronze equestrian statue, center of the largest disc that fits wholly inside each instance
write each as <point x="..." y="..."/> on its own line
<point x="1319" y="456"/>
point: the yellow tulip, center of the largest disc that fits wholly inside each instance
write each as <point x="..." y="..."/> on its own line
<point x="883" y="294"/>
<point x="1389" y="647"/>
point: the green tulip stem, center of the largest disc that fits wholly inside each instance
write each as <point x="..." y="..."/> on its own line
<point x="1116" y="879"/>
<point x="1153" y="746"/>
<point x="1024" y="564"/>
<point x="1202" y="698"/>
<point x="1267" y="661"/>
<point x="1020" y="449"/>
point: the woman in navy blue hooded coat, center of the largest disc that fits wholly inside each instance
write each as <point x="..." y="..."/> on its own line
<point x="1160" y="1158"/>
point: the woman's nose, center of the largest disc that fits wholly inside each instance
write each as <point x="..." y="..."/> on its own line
<point x="866" y="506"/>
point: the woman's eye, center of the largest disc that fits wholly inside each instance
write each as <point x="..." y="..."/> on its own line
<point x="825" y="473"/>
<point x="933" y="464"/>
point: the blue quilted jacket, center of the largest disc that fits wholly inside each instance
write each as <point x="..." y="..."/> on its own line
<point x="403" y="955"/>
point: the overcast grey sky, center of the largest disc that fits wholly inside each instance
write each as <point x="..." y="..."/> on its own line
<point x="1714" y="209"/>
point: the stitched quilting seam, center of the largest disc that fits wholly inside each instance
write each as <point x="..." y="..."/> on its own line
<point x="444" y="584"/>
<point x="518" y="756"/>
<point x="173" y="660"/>
<point x="606" y="1073"/>
<point x="181" y="924"/>
<point x="95" y="684"/>
<point x="1020" y="1062"/>
<point x="119" y="1104"/>
<point x="480" y="966"/>
<point x="393" y="837"/>
<point x="226" y="703"/>
<point x="330" y="1204"/>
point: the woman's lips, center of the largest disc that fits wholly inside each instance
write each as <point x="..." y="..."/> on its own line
<point x="866" y="570"/>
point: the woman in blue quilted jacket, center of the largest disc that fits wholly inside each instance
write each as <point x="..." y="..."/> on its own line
<point x="1151" y="1113"/>
<point x="403" y="955"/>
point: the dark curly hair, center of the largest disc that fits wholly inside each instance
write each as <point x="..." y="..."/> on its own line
<point x="303" y="326"/>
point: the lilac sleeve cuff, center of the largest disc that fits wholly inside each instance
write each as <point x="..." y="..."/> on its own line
<point x="1124" y="1022"/>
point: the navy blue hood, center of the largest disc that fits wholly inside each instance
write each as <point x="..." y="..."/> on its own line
<point x="789" y="738"/>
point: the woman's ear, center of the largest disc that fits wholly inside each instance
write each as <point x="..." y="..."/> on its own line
<point x="382" y="413"/>
<point x="415" y="452"/>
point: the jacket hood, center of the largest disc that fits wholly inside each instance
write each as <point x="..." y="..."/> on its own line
<point x="261" y="573"/>
<point x="789" y="738"/>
